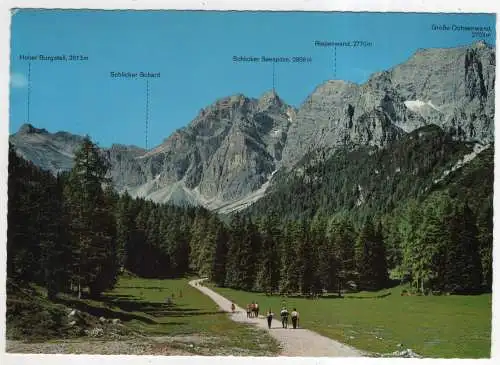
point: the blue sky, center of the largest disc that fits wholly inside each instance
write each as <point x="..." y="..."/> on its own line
<point x="193" y="52"/>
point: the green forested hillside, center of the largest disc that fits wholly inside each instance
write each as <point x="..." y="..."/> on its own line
<point x="415" y="186"/>
<point x="353" y="221"/>
<point x="367" y="181"/>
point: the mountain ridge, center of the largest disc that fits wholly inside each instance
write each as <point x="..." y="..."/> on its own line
<point x="231" y="150"/>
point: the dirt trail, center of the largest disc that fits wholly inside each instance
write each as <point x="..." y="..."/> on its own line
<point x="299" y="342"/>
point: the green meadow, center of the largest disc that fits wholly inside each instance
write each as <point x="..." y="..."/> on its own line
<point x="433" y="326"/>
<point x="142" y="307"/>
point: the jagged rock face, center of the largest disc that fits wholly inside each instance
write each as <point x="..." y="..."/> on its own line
<point x="452" y="88"/>
<point x="125" y="171"/>
<point x="339" y="113"/>
<point x="231" y="149"/>
<point x="228" y="151"/>
<point x="52" y="152"/>
<point x="459" y="83"/>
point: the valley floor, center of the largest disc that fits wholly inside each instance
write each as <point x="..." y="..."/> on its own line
<point x="387" y="323"/>
<point x="294" y="342"/>
<point x="157" y="317"/>
<point x="178" y="317"/>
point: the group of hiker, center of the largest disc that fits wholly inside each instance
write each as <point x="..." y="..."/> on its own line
<point x="253" y="312"/>
<point x="284" y="317"/>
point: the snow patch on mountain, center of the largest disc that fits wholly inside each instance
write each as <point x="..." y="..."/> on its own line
<point x="417" y="105"/>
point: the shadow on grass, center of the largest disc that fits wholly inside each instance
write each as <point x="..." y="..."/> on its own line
<point x="325" y="296"/>
<point x="334" y="296"/>
<point x="174" y="313"/>
<point x="369" y="297"/>
<point x="102" y="311"/>
<point x="159" y="288"/>
<point x="128" y="303"/>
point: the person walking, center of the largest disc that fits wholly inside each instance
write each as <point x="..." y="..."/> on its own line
<point x="256" y="309"/>
<point x="249" y="310"/>
<point x="284" y="317"/>
<point x="269" y="316"/>
<point x="233" y="307"/>
<point x="295" y="318"/>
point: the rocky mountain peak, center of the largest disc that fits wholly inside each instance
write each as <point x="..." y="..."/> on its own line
<point x="270" y="100"/>
<point x="30" y="129"/>
<point x="231" y="149"/>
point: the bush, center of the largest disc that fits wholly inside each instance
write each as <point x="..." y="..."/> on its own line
<point x="31" y="319"/>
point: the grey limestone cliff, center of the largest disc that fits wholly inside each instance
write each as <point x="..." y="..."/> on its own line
<point x="230" y="150"/>
<point x="452" y="88"/>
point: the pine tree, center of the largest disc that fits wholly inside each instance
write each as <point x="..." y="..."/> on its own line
<point x="239" y="260"/>
<point x="92" y="243"/>
<point x="485" y="237"/>
<point x="305" y="261"/>
<point x="105" y="245"/>
<point x="268" y="276"/>
<point x="218" y="272"/>
<point x="21" y="222"/>
<point x="322" y="253"/>
<point x="342" y="238"/>
<point x="202" y="244"/>
<point x="54" y="240"/>
<point x="249" y="254"/>
<point x="125" y="225"/>
<point x="463" y="263"/>
<point x="289" y="275"/>
<point x="380" y="272"/>
<point x="209" y="245"/>
<point x="136" y="249"/>
<point x="370" y="258"/>
<point x="408" y="228"/>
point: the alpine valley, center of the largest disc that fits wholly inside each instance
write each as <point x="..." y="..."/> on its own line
<point x="419" y="126"/>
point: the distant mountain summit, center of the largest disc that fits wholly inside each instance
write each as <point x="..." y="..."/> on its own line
<point x="225" y="157"/>
<point x="29" y="129"/>
<point x="52" y="152"/>
<point x="453" y="88"/>
<point x="229" y="150"/>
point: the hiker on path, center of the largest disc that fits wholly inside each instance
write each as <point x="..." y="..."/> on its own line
<point x="249" y="310"/>
<point x="295" y="318"/>
<point x="233" y="307"/>
<point x="256" y="310"/>
<point x="284" y="317"/>
<point x="269" y="316"/>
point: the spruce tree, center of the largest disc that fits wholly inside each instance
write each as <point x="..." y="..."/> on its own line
<point x="463" y="263"/>
<point x="370" y="258"/>
<point x="218" y="272"/>
<point x="305" y="260"/>
<point x="124" y="226"/>
<point x="89" y="225"/>
<point x="342" y="238"/>
<point x="235" y="259"/>
<point x="54" y="240"/>
<point x="268" y="277"/>
<point x="485" y="237"/>
<point x="289" y="275"/>
<point x="381" y="275"/>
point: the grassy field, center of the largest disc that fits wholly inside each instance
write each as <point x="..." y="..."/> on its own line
<point x="141" y="306"/>
<point x="434" y="326"/>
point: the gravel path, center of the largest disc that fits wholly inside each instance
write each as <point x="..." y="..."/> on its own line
<point x="298" y="342"/>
